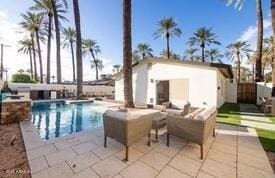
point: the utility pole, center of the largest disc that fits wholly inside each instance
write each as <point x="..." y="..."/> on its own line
<point x="2" y="59"/>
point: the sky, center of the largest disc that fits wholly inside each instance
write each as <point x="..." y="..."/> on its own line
<point x="101" y="20"/>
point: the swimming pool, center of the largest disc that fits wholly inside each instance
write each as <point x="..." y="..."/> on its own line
<point x="57" y="119"/>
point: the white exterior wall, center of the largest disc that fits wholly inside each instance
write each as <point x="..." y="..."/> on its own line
<point x="86" y="88"/>
<point x="202" y="82"/>
<point x="140" y="85"/>
<point x="221" y="91"/>
<point x="263" y="90"/>
<point x="230" y="92"/>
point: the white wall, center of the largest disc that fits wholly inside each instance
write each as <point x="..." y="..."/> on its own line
<point x="86" y="88"/>
<point x="263" y="90"/>
<point x="230" y="92"/>
<point x="221" y="91"/>
<point x="202" y="81"/>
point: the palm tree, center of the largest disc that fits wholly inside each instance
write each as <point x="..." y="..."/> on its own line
<point x="127" y="54"/>
<point x="237" y="51"/>
<point x="252" y="61"/>
<point x="79" y="67"/>
<point x="259" y="12"/>
<point x="203" y="37"/>
<point x="91" y="47"/>
<point x="20" y="71"/>
<point x="57" y="11"/>
<point x="32" y="24"/>
<point x="213" y="55"/>
<point x="164" y="53"/>
<point x="69" y="35"/>
<point x="98" y="64"/>
<point x="46" y="9"/>
<point x="167" y="28"/>
<point x="116" y="68"/>
<point x="144" y="50"/>
<point x="190" y="53"/>
<point x="26" y="48"/>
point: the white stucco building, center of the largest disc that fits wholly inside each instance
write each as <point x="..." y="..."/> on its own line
<point x="157" y="80"/>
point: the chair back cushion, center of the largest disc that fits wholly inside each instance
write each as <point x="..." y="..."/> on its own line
<point x="117" y="114"/>
<point x="205" y="114"/>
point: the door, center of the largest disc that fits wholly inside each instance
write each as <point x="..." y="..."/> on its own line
<point x="162" y="92"/>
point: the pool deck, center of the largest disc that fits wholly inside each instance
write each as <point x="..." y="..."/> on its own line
<point x="234" y="152"/>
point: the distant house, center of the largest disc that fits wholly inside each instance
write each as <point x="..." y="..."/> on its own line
<point x="158" y="80"/>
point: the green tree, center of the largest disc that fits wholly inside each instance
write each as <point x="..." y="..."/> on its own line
<point x="26" y="48"/>
<point x="164" y="54"/>
<point x="79" y="66"/>
<point x="20" y="77"/>
<point x="190" y="53"/>
<point x="236" y="52"/>
<point x="167" y="28"/>
<point x="213" y="55"/>
<point x="91" y="47"/>
<point x="203" y="37"/>
<point x="98" y="64"/>
<point x="69" y="36"/>
<point x="116" y="68"/>
<point x="144" y="50"/>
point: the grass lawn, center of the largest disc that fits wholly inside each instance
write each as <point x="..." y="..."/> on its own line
<point x="230" y="114"/>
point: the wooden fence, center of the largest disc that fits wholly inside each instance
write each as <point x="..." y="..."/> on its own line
<point x="247" y="93"/>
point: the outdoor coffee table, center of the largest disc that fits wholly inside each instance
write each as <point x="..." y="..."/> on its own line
<point x="159" y="121"/>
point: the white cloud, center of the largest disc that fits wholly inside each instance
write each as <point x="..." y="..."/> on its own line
<point x="9" y="34"/>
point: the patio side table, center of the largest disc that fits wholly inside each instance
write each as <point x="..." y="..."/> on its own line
<point x="159" y="121"/>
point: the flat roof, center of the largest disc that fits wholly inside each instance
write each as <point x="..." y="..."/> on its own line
<point x="225" y="69"/>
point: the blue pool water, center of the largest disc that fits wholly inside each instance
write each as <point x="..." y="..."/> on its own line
<point x="58" y="119"/>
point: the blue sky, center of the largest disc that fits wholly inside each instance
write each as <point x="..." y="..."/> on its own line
<point x="102" y="21"/>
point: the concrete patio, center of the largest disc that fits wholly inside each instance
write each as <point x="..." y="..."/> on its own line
<point x="234" y="152"/>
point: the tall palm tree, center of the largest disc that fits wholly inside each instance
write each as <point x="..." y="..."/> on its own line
<point x="26" y="48"/>
<point x="32" y="24"/>
<point x="144" y="50"/>
<point x="79" y="66"/>
<point x="213" y="55"/>
<point x="272" y="7"/>
<point x="259" y="12"/>
<point x="252" y="61"/>
<point x="91" y="47"/>
<point x="190" y="53"/>
<point x="69" y="35"/>
<point x="203" y="37"/>
<point x="57" y="11"/>
<point x="237" y="51"/>
<point x="98" y="65"/>
<point x="167" y="28"/>
<point x="127" y="54"/>
<point x="135" y="56"/>
<point x="46" y="9"/>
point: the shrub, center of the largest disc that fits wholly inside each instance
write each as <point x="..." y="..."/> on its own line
<point x="22" y="78"/>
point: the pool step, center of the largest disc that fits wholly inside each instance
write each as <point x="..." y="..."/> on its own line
<point x="79" y="101"/>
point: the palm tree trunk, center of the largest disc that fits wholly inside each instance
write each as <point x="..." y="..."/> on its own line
<point x="49" y="48"/>
<point x="143" y="56"/>
<point x="57" y="35"/>
<point x="96" y="67"/>
<point x="72" y="50"/>
<point x="127" y="54"/>
<point x="30" y="54"/>
<point x="202" y="53"/>
<point x="259" y="76"/>
<point x="79" y="66"/>
<point x="39" y="55"/>
<point x="239" y="70"/>
<point x="167" y="45"/>
<point x="34" y="58"/>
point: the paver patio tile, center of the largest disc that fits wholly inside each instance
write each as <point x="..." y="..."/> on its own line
<point x="224" y="148"/>
<point x="142" y="146"/>
<point x="82" y="162"/>
<point x="87" y="173"/>
<point x="38" y="164"/>
<point x="171" y="151"/>
<point x="218" y="169"/>
<point x="192" y="151"/>
<point x="229" y="159"/>
<point x="66" y="143"/>
<point x="246" y="171"/>
<point x="187" y="165"/>
<point x="84" y="147"/>
<point x="133" y="155"/>
<point x="60" y="170"/>
<point x="204" y="175"/>
<point x="103" y="152"/>
<point x="118" y="176"/>
<point x="172" y="173"/>
<point x="109" y="167"/>
<point x="155" y="159"/>
<point x="258" y="152"/>
<point x="138" y="170"/>
<point x="60" y="156"/>
<point x="86" y="137"/>
<point x="37" y="152"/>
<point x="256" y="162"/>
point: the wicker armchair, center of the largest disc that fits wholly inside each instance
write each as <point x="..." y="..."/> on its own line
<point x="127" y="128"/>
<point x="177" y="109"/>
<point x="196" y="129"/>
